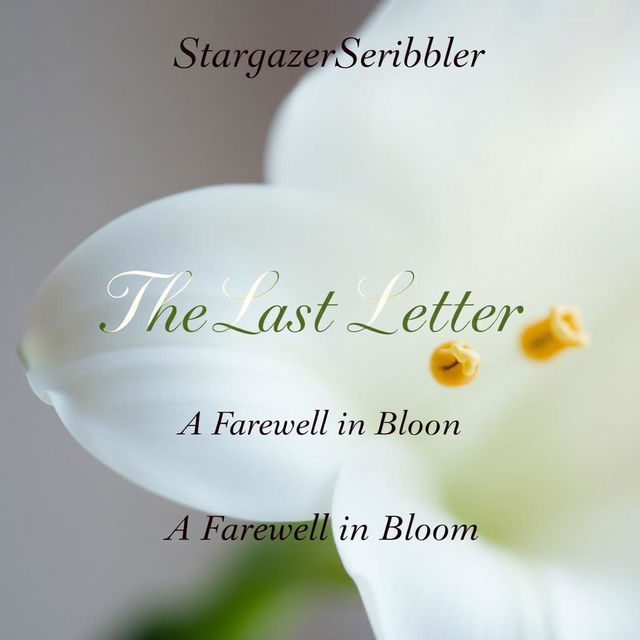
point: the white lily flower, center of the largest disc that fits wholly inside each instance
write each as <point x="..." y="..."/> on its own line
<point x="520" y="176"/>
<point x="506" y="180"/>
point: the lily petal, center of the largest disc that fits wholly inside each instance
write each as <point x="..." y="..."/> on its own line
<point x="418" y="589"/>
<point x="454" y="589"/>
<point x="127" y="407"/>
<point x="591" y="607"/>
<point x="515" y="165"/>
<point x="125" y="395"/>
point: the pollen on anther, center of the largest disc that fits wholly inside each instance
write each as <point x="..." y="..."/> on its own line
<point x="560" y="329"/>
<point x="454" y="364"/>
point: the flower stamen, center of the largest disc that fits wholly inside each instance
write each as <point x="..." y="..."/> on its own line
<point x="454" y="364"/>
<point x="549" y="336"/>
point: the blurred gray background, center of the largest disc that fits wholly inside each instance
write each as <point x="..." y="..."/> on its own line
<point x="94" y="122"/>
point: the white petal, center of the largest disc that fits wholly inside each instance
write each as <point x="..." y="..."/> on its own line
<point x="126" y="394"/>
<point x="126" y="407"/>
<point x="459" y="590"/>
<point x="592" y="607"/>
<point x="508" y="168"/>
<point x="421" y="589"/>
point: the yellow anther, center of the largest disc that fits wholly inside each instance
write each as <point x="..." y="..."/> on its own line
<point x="454" y="364"/>
<point x="545" y="338"/>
